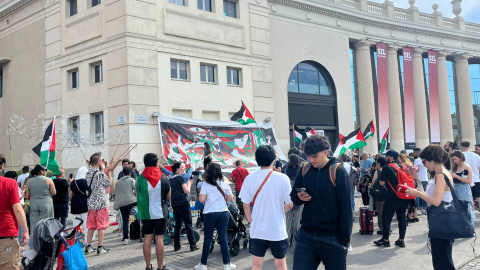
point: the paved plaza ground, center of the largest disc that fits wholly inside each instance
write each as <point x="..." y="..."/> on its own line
<point x="365" y="254"/>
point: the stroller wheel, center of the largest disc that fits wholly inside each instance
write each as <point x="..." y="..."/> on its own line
<point x="234" y="247"/>
<point x="166" y="239"/>
<point x="196" y="235"/>
<point x="245" y="243"/>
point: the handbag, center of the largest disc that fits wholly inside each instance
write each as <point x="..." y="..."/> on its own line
<point x="450" y="220"/>
<point x="88" y="191"/>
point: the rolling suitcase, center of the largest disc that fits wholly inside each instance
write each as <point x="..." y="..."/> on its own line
<point x="366" y="221"/>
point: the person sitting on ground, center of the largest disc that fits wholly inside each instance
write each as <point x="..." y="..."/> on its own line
<point x="215" y="192"/>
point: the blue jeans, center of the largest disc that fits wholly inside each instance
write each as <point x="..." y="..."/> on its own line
<point x="423" y="203"/>
<point x="211" y="221"/>
<point x="312" y="249"/>
<point x="464" y="193"/>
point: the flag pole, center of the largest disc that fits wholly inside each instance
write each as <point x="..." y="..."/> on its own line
<point x="61" y="151"/>
<point x="119" y="142"/>
<point x="51" y="136"/>
<point x="10" y="143"/>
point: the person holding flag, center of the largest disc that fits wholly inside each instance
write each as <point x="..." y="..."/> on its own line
<point x="46" y="149"/>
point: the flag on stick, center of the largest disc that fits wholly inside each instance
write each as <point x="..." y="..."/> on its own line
<point x="243" y="116"/>
<point x="354" y="140"/>
<point x="369" y="131"/>
<point x="297" y="134"/>
<point x="340" y="148"/>
<point x="46" y="150"/>
<point x="383" y="149"/>
<point x="310" y="132"/>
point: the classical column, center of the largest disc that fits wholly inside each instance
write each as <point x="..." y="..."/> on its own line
<point x="446" y="129"/>
<point x="397" y="140"/>
<point x="465" y="109"/>
<point x="422" y="138"/>
<point x="365" y="90"/>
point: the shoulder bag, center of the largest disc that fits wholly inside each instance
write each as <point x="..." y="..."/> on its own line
<point x="260" y="188"/>
<point x="88" y="191"/>
<point x="450" y="220"/>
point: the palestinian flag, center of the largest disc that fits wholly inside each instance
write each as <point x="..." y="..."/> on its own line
<point x="369" y="131"/>
<point x="340" y="148"/>
<point x="297" y="134"/>
<point x="354" y="140"/>
<point x="383" y="149"/>
<point x="46" y="150"/>
<point x="149" y="194"/>
<point x="310" y="132"/>
<point x="243" y="116"/>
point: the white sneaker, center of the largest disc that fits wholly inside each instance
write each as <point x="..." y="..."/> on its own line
<point x="127" y="241"/>
<point x="350" y="249"/>
<point x="200" y="266"/>
<point x="229" y="266"/>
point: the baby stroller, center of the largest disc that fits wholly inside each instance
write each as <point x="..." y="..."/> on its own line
<point x="235" y="231"/>
<point x="170" y="222"/>
<point x="47" y="243"/>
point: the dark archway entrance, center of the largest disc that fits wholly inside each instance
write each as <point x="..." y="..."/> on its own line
<point x="312" y="100"/>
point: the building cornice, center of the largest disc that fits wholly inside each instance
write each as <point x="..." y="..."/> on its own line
<point x="385" y="22"/>
<point x="8" y="7"/>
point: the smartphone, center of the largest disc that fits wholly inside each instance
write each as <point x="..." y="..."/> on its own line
<point x="301" y="190"/>
<point x="71" y="175"/>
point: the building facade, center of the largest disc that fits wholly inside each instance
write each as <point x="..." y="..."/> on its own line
<point x="104" y="68"/>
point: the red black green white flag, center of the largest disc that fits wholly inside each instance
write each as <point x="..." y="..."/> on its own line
<point x="310" y="132"/>
<point x="297" y="134"/>
<point x="46" y="149"/>
<point x="243" y="116"/>
<point x="354" y="140"/>
<point x="369" y="131"/>
<point x="383" y="149"/>
<point x="341" y="147"/>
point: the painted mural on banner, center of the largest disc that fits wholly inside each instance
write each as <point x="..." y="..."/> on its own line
<point x="184" y="138"/>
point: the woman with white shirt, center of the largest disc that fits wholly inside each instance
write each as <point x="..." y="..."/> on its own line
<point x="215" y="193"/>
<point x="462" y="177"/>
<point x="433" y="157"/>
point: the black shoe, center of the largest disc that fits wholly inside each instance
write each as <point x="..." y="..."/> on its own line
<point x="400" y="243"/>
<point x="380" y="232"/>
<point x="416" y="220"/>
<point x="410" y="220"/>
<point x="194" y="248"/>
<point x="163" y="268"/>
<point x="176" y="249"/>
<point x="149" y="268"/>
<point x="382" y="242"/>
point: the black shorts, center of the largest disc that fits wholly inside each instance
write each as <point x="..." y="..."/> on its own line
<point x="159" y="226"/>
<point x="476" y="190"/>
<point x="258" y="247"/>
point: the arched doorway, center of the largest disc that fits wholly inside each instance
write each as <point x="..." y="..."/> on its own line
<point x="312" y="100"/>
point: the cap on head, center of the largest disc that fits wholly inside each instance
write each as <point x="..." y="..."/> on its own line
<point x="392" y="153"/>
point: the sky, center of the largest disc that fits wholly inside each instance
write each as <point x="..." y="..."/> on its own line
<point x="470" y="8"/>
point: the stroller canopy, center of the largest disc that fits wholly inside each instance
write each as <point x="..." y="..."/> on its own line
<point x="44" y="231"/>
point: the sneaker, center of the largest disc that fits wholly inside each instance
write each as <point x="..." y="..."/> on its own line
<point x="149" y="268"/>
<point x="200" y="266"/>
<point x="89" y="249"/>
<point x="127" y="241"/>
<point x="102" y="251"/>
<point x="116" y="230"/>
<point x="194" y="248"/>
<point x="350" y="249"/>
<point x="400" y="243"/>
<point x="382" y="242"/>
<point x="163" y="268"/>
<point x="229" y="266"/>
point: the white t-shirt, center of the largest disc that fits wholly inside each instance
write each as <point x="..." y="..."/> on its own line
<point x="268" y="217"/>
<point x="473" y="160"/>
<point x="21" y="179"/>
<point x="215" y="201"/>
<point x="348" y="167"/>
<point x="422" y="171"/>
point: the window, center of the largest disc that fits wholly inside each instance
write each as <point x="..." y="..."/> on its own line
<point x="74" y="79"/>
<point x="98" y="73"/>
<point x="178" y="2"/>
<point x="72" y="6"/>
<point x="74" y="124"/>
<point x="309" y="78"/>
<point x="178" y="70"/>
<point x="206" y="5"/>
<point x="233" y="77"/>
<point x="95" y="2"/>
<point x="1" y="82"/>
<point x="98" y="125"/>
<point x="230" y="8"/>
<point x="207" y="73"/>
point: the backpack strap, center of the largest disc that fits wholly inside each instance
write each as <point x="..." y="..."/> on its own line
<point x="333" y="173"/>
<point x="305" y="168"/>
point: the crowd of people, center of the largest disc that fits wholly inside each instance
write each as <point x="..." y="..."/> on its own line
<point x="313" y="193"/>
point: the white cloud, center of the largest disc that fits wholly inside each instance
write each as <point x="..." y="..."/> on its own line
<point x="470" y="8"/>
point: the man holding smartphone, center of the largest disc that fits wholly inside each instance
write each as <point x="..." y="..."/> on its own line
<point x="323" y="187"/>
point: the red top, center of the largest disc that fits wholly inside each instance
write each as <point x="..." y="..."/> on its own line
<point x="238" y="176"/>
<point x="8" y="197"/>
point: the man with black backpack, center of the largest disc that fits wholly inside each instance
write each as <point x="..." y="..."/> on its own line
<point x="323" y="187"/>
<point x="396" y="178"/>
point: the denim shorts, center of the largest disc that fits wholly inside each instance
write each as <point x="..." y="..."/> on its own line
<point x="258" y="247"/>
<point x="464" y="193"/>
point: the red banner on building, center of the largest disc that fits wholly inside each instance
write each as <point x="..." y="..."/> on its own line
<point x="408" y="99"/>
<point x="382" y="78"/>
<point x="433" y="94"/>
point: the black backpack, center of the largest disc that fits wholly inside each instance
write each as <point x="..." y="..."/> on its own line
<point x="377" y="191"/>
<point x="135" y="230"/>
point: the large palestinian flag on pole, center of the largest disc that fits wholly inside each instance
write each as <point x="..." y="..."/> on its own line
<point x="383" y="149"/>
<point x="354" y="140"/>
<point x="297" y="134"/>
<point x="340" y="148"/>
<point x="369" y="131"/>
<point x="46" y="149"/>
<point x="243" y="116"/>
